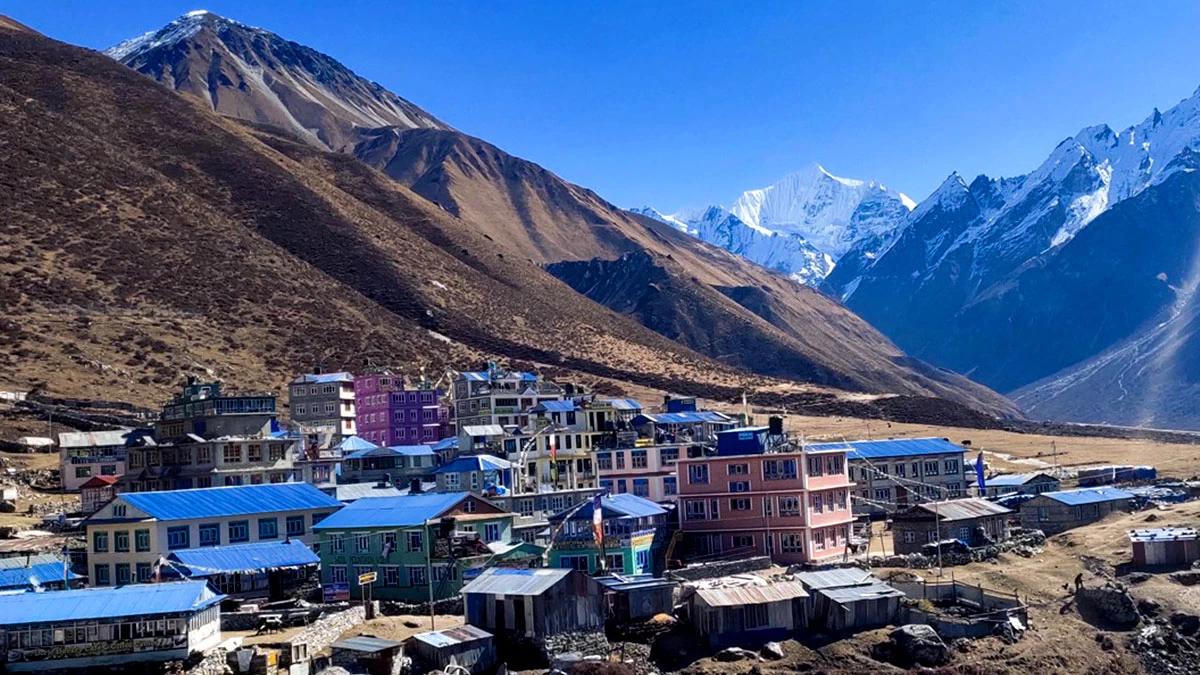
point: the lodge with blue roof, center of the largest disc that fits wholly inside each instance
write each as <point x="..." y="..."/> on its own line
<point x="634" y="537"/>
<point x="108" y="627"/>
<point x="896" y="473"/>
<point x="128" y="536"/>
<point x="270" y="570"/>
<point x="363" y="461"/>
<point x="1062" y="510"/>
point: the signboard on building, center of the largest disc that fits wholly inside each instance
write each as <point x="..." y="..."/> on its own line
<point x="367" y="578"/>
<point x="335" y="592"/>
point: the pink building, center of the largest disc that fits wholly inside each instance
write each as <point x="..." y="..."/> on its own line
<point x="390" y="413"/>
<point x="793" y="506"/>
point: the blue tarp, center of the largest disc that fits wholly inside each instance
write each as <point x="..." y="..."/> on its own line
<point x="555" y="406"/>
<point x="87" y="604"/>
<point x="202" y="562"/>
<point x="38" y="574"/>
<point x="897" y="447"/>
<point x="229" y="501"/>
<point x="1088" y="495"/>
<point x="406" y="511"/>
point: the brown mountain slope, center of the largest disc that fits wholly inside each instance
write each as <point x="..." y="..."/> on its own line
<point x="143" y="235"/>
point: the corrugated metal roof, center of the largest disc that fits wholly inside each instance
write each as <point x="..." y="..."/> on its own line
<point x="99" y="482"/>
<point x="349" y="492"/>
<point x="1164" y="534"/>
<point x="323" y="378"/>
<point x="555" y="406"/>
<point x="851" y="594"/>
<point x="366" y="643"/>
<point x="92" y="439"/>
<point x="963" y="509"/>
<point x="229" y="501"/>
<point x="896" y="447"/>
<point x="1013" y="479"/>
<point x="776" y="591"/>
<point x="405" y="511"/>
<point x="1088" y="495"/>
<point x="516" y="581"/>
<point x="624" y="505"/>
<point x="474" y="463"/>
<point x="623" y="403"/>
<point x="688" y="417"/>
<point x="835" y="578"/>
<point x="445" y="444"/>
<point x="391" y="451"/>
<point x="106" y="603"/>
<point x="453" y="636"/>
<point x="27" y="561"/>
<point x="483" y="430"/>
<point x="202" y="562"/>
<point x="482" y="376"/>
<point x="352" y="444"/>
<point x="37" y="574"/>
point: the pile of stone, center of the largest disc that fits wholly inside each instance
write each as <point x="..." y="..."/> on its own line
<point x="1111" y="603"/>
<point x="913" y="645"/>
<point x="1026" y="543"/>
<point x="1169" y="646"/>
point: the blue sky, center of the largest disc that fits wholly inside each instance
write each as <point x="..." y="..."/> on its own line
<point x="684" y="104"/>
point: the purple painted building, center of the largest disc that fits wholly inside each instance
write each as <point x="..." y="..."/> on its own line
<point x="392" y="413"/>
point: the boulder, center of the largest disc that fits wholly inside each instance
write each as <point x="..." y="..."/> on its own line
<point x="1111" y="604"/>
<point x="735" y="654"/>
<point x="1186" y="624"/>
<point x="772" y="650"/>
<point x="919" y="644"/>
<point x="1187" y="577"/>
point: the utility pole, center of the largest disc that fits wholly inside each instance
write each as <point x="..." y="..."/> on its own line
<point x="429" y="572"/>
<point x="937" y="524"/>
<point x="1054" y="449"/>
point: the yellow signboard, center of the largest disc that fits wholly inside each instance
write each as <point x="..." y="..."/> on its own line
<point x="367" y="578"/>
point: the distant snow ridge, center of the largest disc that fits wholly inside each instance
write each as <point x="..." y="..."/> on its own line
<point x="801" y="225"/>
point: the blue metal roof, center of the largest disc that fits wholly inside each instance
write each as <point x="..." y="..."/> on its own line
<point x="625" y="404"/>
<point x="323" y="378"/>
<point x="624" y="505"/>
<point x="895" y="447"/>
<point x="445" y="444"/>
<point x="475" y="463"/>
<point x="1088" y="495"/>
<point x="203" y="562"/>
<point x="738" y="430"/>
<point x="482" y="376"/>
<point x="391" y="450"/>
<point x="555" y="406"/>
<point x="35" y="575"/>
<point x="688" y="417"/>
<point x="352" y="444"/>
<point x="411" y="450"/>
<point x="86" y="604"/>
<point x="1012" y="479"/>
<point x="405" y="511"/>
<point x="229" y="501"/>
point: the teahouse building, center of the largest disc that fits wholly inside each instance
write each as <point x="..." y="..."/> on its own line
<point x="973" y="521"/>
<point x="1054" y="512"/>
<point x="533" y="604"/>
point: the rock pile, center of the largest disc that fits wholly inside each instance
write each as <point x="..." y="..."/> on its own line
<point x="1111" y="603"/>
<point x="912" y="645"/>
<point x="1169" y="646"/>
<point x="1026" y="544"/>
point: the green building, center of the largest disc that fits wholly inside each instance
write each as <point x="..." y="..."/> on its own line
<point x="407" y="540"/>
<point x="635" y="534"/>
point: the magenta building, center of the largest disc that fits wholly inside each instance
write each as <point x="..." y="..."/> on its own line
<point x="392" y="413"/>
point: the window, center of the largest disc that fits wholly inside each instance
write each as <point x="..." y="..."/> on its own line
<point x="413" y="540"/>
<point x="118" y="510"/>
<point x="144" y="572"/>
<point x="789" y="505"/>
<point x="738" y="469"/>
<point x="834" y="465"/>
<point x="779" y="469"/>
<point x="964" y="533"/>
<point x="121" y="542"/>
<point x="268" y="528"/>
<point x="179" y="537"/>
<point x="362" y="542"/>
<point x="615" y="562"/>
<point x="391" y="575"/>
<point x="670" y="485"/>
<point x="931" y="468"/>
<point x="210" y="534"/>
<point x="642" y="560"/>
<point x="604" y="461"/>
<point x="254" y="452"/>
<point x="910" y="537"/>
<point x="641" y="487"/>
<point x="1043" y="513"/>
<point x="815" y="466"/>
<point x="491" y="532"/>
<point x="693" y="509"/>
<point x="101" y="575"/>
<point x="83" y="471"/>
<point x="239" y="531"/>
<point x="451" y="480"/>
<point x="337" y="542"/>
<point x="416" y="575"/>
<point x="883" y="494"/>
<point x="668" y="455"/>
<point x="742" y="541"/>
<point x="204" y="455"/>
<point x="141" y="540"/>
<point x="295" y="526"/>
<point x="337" y="574"/>
<point x="900" y="469"/>
<point x="863" y="474"/>
<point x="951" y="466"/>
<point x="739" y="486"/>
<point x="739" y="504"/>
<point x="791" y="542"/>
<point x="698" y="474"/>
<point x="122" y="573"/>
<point x="232" y="454"/>
<point x="638" y="459"/>
<point x="575" y="562"/>
<point x="620" y="456"/>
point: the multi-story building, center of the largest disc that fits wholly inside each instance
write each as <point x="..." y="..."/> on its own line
<point x="203" y="410"/>
<point x="86" y="454"/>
<point x="897" y="473"/>
<point x="324" y="401"/>
<point x="96" y="493"/>
<point x="647" y="471"/>
<point x="393" y="536"/>
<point x="500" y="397"/>
<point x="213" y="463"/>
<point x="390" y="412"/>
<point x="635" y="532"/>
<point x="128" y="536"/>
<point x="793" y="506"/>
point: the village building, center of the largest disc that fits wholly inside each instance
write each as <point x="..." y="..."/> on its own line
<point x="391" y="413"/>
<point x="108" y="627"/>
<point x="792" y="506"/>
<point x="532" y="510"/>
<point x="96" y="492"/>
<point x="481" y="474"/>
<point x="366" y="654"/>
<point x="973" y="521"/>
<point x="408" y="542"/>
<point x="526" y="606"/>
<point x="466" y="646"/>
<point x="1020" y="483"/>
<point x="347" y="493"/>
<point x="1109" y="474"/>
<point x="849" y="600"/>
<point x="638" y="597"/>
<point x="266" y="570"/>
<point x="745" y="609"/>
<point x="324" y="401"/>
<point x="499" y="397"/>
<point x="635" y="534"/>
<point x="206" y="410"/>
<point x="1165" y="547"/>
<point x="129" y="536"/>
<point x="1054" y="512"/>
<point x="647" y="471"/>
<point x="365" y="462"/>
<point x="38" y="573"/>
<point x="203" y="463"/>
<point x="894" y="474"/>
<point x="84" y="455"/>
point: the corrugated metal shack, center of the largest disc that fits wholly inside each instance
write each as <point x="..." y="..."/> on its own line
<point x="467" y="646"/>
<point x="1165" y="546"/>
<point x="849" y="600"/>
<point x="636" y="598"/>
<point x="366" y="652"/>
<point x="744" y="610"/>
<point x="534" y="603"/>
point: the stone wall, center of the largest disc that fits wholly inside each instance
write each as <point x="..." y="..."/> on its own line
<point x="326" y="631"/>
<point x="451" y="605"/>
<point x="720" y="569"/>
<point x="215" y="662"/>
<point x="584" y="643"/>
<point x="241" y="621"/>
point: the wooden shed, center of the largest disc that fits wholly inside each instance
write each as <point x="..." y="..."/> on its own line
<point x="534" y="603"/>
<point x="847" y="600"/>
<point x="466" y="646"/>
<point x="743" y="610"/>
<point x="1165" y="546"/>
<point x="637" y="598"/>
